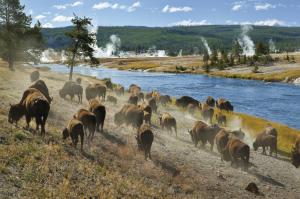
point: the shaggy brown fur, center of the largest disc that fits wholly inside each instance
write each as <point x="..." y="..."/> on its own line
<point x="221" y="119"/>
<point x="42" y="87"/>
<point x="111" y="99"/>
<point x="152" y="104"/>
<point x="71" y="88"/>
<point x="185" y="101"/>
<point x="236" y="149"/>
<point x="119" y="90"/>
<point x="144" y="139"/>
<point x="33" y="104"/>
<point x="88" y="120"/>
<point x="221" y="140"/>
<point x="100" y="111"/>
<point x="204" y="133"/>
<point x="207" y="113"/>
<point x="168" y="121"/>
<point x="210" y="101"/>
<point x="134" y="89"/>
<point x="74" y="130"/>
<point x="296" y="153"/>
<point x="266" y="140"/>
<point x="164" y="100"/>
<point x="223" y="104"/>
<point x="94" y="90"/>
<point x="130" y="114"/>
<point x="133" y="99"/>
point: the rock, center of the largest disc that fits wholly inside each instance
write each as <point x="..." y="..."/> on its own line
<point x="252" y="187"/>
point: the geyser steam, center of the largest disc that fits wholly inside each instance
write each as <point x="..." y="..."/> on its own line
<point x="245" y="41"/>
<point x="206" y="45"/>
<point x="272" y="46"/>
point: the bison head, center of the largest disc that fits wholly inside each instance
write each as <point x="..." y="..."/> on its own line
<point x="65" y="133"/>
<point x="295" y="158"/>
<point x="15" y="113"/>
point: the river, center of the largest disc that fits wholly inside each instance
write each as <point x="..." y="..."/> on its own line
<point x="277" y="102"/>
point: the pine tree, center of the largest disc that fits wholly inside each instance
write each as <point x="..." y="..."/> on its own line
<point x="261" y="49"/>
<point x="81" y="42"/>
<point x="15" y="25"/>
<point x="205" y="62"/>
<point x="214" y="57"/>
<point x="237" y="49"/>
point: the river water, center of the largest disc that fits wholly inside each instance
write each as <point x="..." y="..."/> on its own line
<point x="277" y="102"/>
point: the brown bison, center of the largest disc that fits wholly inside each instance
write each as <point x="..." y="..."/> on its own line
<point x="221" y="119"/>
<point x="271" y="131"/>
<point x="71" y="88"/>
<point x="133" y="99"/>
<point x="130" y="114"/>
<point x="152" y="104"/>
<point x="144" y="139"/>
<point x="185" y="101"/>
<point x="296" y="153"/>
<point x="33" y="105"/>
<point x="148" y="95"/>
<point x="95" y="90"/>
<point x="100" y="112"/>
<point x="234" y="150"/>
<point x="111" y="99"/>
<point x="34" y="76"/>
<point x="221" y="140"/>
<point x="88" y="120"/>
<point x="78" y="80"/>
<point x="266" y="140"/>
<point x="134" y="89"/>
<point x="147" y="112"/>
<point x="223" y="104"/>
<point x="42" y="87"/>
<point x="108" y="83"/>
<point x="119" y="90"/>
<point x="238" y="134"/>
<point x="140" y="96"/>
<point x="207" y="113"/>
<point x="164" y="100"/>
<point x="74" y="130"/>
<point x="168" y="121"/>
<point x="191" y="108"/>
<point x="210" y="101"/>
<point x="204" y="133"/>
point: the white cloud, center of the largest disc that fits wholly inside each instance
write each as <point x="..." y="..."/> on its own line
<point x="264" y="6"/>
<point x="171" y="9"/>
<point x="238" y="5"/>
<point x="270" y="22"/>
<point x="61" y="18"/>
<point x="64" y="6"/>
<point x="39" y="17"/>
<point x="47" y="25"/>
<point x="190" y="23"/>
<point x="115" y="6"/>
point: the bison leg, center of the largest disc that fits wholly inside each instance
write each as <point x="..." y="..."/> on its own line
<point x="43" y="123"/>
<point x="81" y="140"/>
<point x="211" y="145"/>
<point x="264" y="150"/>
<point x="28" y="119"/>
<point x="38" y="122"/>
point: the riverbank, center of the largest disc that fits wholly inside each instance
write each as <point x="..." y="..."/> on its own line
<point x="31" y="166"/>
<point x="279" y="71"/>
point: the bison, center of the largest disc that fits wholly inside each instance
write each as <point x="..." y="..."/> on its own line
<point x="134" y="89"/>
<point x="42" y="87"/>
<point x="266" y="140"/>
<point x="119" y="90"/>
<point x="147" y="112"/>
<point x="88" y="120"/>
<point x="168" y="121"/>
<point x="152" y="104"/>
<point x="221" y="119"/>
<point x="144" y="139"/>
<point x="140" y="96"/>
<point x="130" y="114"/>
<point x="204" y="133"/>
<point x="236" y="149"/>
<point x="223" y="104"/>
<point x="210" y="101"/>
<point x="34" y="76"/>
<point x="74" y="130"/>
<point x="185" y="101"/>
<point x="164" y="100"/>
<point x="71" y="88"/>
<point x="191" y="108"/>
<point x="296" y="153"/>
<point x="100" y="112"/>
<point x="111" y="99"/>
<point x="95" y="90"/>
<point x="207" y="113"/>
<point x="33" y="105"/>
<point x="133" y="99"/>
<point x="221" y="140"/>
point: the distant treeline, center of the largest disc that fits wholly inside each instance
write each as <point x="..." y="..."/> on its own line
<point x="172" y="39"/>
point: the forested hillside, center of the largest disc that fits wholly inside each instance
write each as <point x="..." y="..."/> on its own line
<point x="172" y="39"/>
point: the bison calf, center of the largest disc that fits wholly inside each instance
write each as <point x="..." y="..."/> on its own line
<point x="74" y="130"/>
<point x="168" y="121"/>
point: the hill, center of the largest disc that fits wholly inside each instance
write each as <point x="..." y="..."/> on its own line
<point x="172" y="39"/>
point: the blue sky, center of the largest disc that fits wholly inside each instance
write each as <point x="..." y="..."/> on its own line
<point x="57" y="13"/>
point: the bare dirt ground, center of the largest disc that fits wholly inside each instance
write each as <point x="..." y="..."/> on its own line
<point x="111" y="167"/>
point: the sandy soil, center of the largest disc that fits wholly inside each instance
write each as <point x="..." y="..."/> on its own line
<point x="178" y="169"/>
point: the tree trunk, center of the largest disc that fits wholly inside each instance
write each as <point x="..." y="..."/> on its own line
<point x="10" y="60"/>
<point x="72" y="66"/>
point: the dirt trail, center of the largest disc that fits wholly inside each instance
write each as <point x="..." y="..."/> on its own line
<point x="178" y="169"/>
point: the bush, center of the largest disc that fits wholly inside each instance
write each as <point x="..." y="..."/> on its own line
<point x="255" y="69"/>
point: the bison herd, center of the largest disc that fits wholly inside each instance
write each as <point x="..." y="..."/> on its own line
<point x="137" y="112"/>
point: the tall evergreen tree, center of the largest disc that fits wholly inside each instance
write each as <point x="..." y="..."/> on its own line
<point x="237" y="49"/>
<point x="81" y="42"/>
<point x="14" y="26"/>
<point x="261" y="49"/>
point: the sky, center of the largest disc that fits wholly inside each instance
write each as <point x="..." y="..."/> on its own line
<point x="158" y="13"/>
